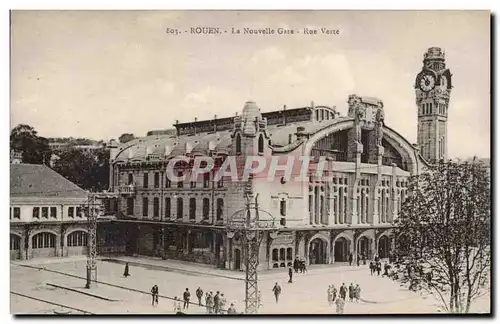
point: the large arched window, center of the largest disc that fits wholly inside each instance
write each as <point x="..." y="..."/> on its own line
<point x="77" y="238"/>
<point x="238" y="143"/>
<point x="43" y="240"/>
<point x="261" y="144"/>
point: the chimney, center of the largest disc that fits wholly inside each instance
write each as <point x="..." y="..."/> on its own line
<point x="177" y="127"/>
<point x="194" y="125"/>
<point x="215" y="123"/>
<point x="284" y="114"/>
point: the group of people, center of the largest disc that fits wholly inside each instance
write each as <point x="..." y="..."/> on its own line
<point x="299" y="265"/>
<point x="353" y="292"/>
<point x="215" y="304"/>
<point x="376" y="266"/>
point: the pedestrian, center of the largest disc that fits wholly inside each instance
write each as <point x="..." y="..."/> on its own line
<point x="357" y="293"/>
<point x="372" y="268"/>
<point x="296" y="264"/>
<point x="343" y="291"/>
<point x="231" y="309"/>
<point x="187" y="296"/>
<point x="334" y="293"/>
<point x="154" y="295"/>
<point x="304" y="267"/>
<point x="126" y="273"/>
<point x="199" y="294"/>
<point x="277" y="291"/>
<point x="364" y="258"/>
<point x="351" y="292"/>
<point x="290" y="274"/>
<point x="177" y="305"/>
<point x="340" y="305"/>
<point x="379" y="268"/>
<point x="386" y="269"/>
<point x="209" y="302"/>
<point x="329" y="295"/>
<point x="357" y="260"/>
<point x="350" y="259"/>
<point x="216" y="302"/>
<point x="222" y="304"/>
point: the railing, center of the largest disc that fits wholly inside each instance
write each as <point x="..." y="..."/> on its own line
<point x="127" y="190"/>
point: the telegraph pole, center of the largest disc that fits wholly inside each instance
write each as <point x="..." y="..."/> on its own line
<point x="92" y="213"/>
<point x="251" y="229"/>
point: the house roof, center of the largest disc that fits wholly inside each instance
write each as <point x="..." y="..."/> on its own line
<point x="38" y="180"/>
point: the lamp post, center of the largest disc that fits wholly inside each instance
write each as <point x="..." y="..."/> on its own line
<point x="92" y="213"/>
<point x="248" y="224"/>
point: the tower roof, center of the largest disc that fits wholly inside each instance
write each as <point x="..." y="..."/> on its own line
<point x="434" y="53"/>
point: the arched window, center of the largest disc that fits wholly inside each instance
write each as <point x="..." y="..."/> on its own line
<point x="43" y="240"/>
<point x="238" y="144"/>
<point x="77" y="238"/>
<point x="261" y="143"/>
<point x="15" y="242"/>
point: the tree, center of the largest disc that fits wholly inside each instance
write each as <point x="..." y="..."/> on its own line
<point x="35" y="149"/>
<point x="89" y="171"/>
<point x="127" y="137"/>
<point x="443" y="234"/>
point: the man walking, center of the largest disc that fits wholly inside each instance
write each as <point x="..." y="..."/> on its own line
<point x="277" y="291"/>
<point x="199" y="294"/>
<point x="187" y="296"/>
<point x="343" y="291"/>
<point x="351" y="292"/>
<point x="154" y="295"/>
<point x="350" y="259"/>
<point x="290" y="274"/>
<point x="126" y="273"/>
<point x="216" y="302"/>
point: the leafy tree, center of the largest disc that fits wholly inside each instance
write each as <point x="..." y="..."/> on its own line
<point x="90" y="171"/>
<point x="443" y="234"/>
<point x="35" y="149"/>
<point x="127" y="137"/>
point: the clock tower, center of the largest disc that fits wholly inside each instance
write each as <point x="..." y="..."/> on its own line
<point x="432" y="90"/>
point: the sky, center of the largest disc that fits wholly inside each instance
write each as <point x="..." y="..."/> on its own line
<point x="99" y="74"/>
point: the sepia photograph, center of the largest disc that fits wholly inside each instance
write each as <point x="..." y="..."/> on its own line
<point x="250" y="162"/>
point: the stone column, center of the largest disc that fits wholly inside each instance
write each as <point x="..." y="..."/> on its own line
<point x="394" y="197"/>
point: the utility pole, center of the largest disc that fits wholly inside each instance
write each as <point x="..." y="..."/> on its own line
<point x="92" y="214"/>
<point x="252" y="229"/>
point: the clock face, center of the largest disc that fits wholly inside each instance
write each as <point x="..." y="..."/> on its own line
<point x="427" y="82"/>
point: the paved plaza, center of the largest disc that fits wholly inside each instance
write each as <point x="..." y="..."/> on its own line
<point x="306" y="295"/>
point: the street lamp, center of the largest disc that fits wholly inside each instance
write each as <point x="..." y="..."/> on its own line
<point x="251" y="228"/>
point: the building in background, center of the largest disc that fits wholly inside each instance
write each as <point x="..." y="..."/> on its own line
<point x="46" y="218"/>
<point x="349" y="208"/>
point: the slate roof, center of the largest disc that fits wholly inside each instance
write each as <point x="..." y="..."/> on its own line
<point x="38" y="180"/>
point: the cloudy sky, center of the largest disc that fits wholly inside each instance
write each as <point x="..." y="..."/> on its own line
<point x="101" y="74"/>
